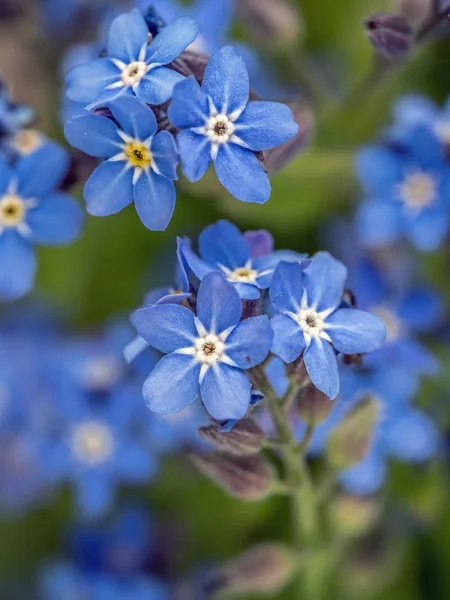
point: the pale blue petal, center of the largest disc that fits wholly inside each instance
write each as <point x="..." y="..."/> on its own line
<point x="172" y="41"/>
<point x="223" y="244"/>
<point x="189" y="107"/>
<point x="109" y="189"/>
<point x="324" y="281"/>
<point x="378" y="224"/>
<point x="17" y="266"/>
<point x="321" y="364"/>
<point x="42" y="170"/>
<point x="195" y="152"/>
<point x="134" y="117"/>
<point x="87" y="82"/>
<point x="134" y="463"/>
<point x="218" y="303"/>
<point x="226" y="392"/>
<point x="127" y="34"/>
<point x="165" y="155"/>
<point x="247" y="291"/>
<point x="173" y="384"/>
<point x="134" y="348"/>
<point x="6" y="174"/>
<point x="157" y="86"/>
<point x="94" y="492"/>
<point x="412" y="437"/>
<point x="428" y="230"/>
<point x="286" y="288"/>
<point x="166" y="327"/>
<point x="94" y="135"/>
<point x="56" y="220"/>
<point x="355" y="331"/>
<point x="226" y="80"/>
<point x="266" y="125"/>
<point x="366" y="477"/>
<point x="378" y="169"/>
<point x="250" y="343"/>
<point x="198" y="266"/>
<point x="154" y="199"/>
<point x="240" y="172"/>
<point x="288" y="339"/>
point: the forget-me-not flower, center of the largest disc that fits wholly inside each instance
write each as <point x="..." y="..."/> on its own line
<point x="223" y="248"/>
<point x="134" y="63"/>
<point x="310" y="320"/>
<point x="206" y="355"/>
<point x="140" y="164"/>
<point x="220" y="125"/>
<point x="33" y="211"/>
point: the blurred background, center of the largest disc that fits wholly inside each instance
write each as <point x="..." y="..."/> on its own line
<point x="316" y="53"/>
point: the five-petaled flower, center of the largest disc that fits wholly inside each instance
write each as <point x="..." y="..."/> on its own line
<point x="140" y="165"/>
<point x="32" y="211"/>
<point x="219" y="124"/>
<point x="134" y="63"/>
<point x="206" y="355"/>
<point x="310" y="319"/>
<point x="223" y="248"/>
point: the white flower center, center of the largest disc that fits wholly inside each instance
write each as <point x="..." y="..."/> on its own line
<point x="418" y="190"/>
<point x="27" y="141"/>
<point x="92" y="443"/>
<point x="209" y="349"/>
<point x="219" y="129"/>
<point x="101" y="372"/>
<point x="311" y="322"/>
<point x="134" y="73"/>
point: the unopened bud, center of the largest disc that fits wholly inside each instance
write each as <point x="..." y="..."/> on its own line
<point x="353" y="516"/>
<point x="351" y="439"/>
<point x="312" y="405"/>
<point x="391" y="35"/>
<point x="245" y="438"/>
<point x="414" y="10"/>
<point x="264" y="570"/>
<point x="245" y="477"/>
<point x="275" y="22"/>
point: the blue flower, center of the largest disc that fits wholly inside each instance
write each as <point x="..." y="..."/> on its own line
<point x="132" y="65"/>
<point x="220" y="125"/>
<point x="247" y="261"/>
<point x="140" y="166"/>
<point x="13" y="116"/>
<point x="206" y="354"/>
<point x="310" y="320"/>
<point x="408" y="192"/>
<point x="32" y="211"/>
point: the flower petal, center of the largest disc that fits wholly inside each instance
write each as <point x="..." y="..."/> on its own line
<point x="226" y="80"/>
<point x="165" y="155"/>
<point x="158" y="85"/>
<point x="288" y="339"/>
<point x="134" y="117"/>
<point x="56" y="220"/>
<point x="42" y="170"/>
<point x="6" y="175"/>
<point x="94" y="492"/>
<point x="154" y="199"/>
<point x="247" y="291"/>
<point x="355" y="331"/>
<point x="109" y="189"/>
<point x="266" y="125"/>
<point x="17" y="266"/>
<point x="223" y="244"/>
<point x="195" y="152"/>
<point x="366" y="477"/>
<point x="250" y="342"/>
<point x="172" y="41"/>
<point x="378" y="223"/>
<point x="127" y="34"/>
<point x="378" y="169"/>
<point x="428" y="230"/>
<point x="286" y="288"/>
<point x="166" y="327"/>
<point x="240" y="172"/>
<point x="189" y="107"/>
<point x="198" y="266"/>
<point x="321" y="364"/>
<point x="173" y="384"/>
<point x="412" y="437"/>
<point x="226" y="392"/>
<point x="266" y="265"/>
<point x="324" y="281"/>
<point x="218" y="304"/>
<point x="133" y="462"/>
<point x="87" y="82"/>
<point x="94" y="135"/>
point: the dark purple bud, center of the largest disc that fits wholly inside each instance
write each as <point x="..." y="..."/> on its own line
<point x="391" y="35"/>
<point x="312" y="405"/>
<point x="260" y="242"/>
<point x="272" y="22"/>
<point x="263" y="570"/>
<point x="245" y="477"/>
<point x="244" y="439"/>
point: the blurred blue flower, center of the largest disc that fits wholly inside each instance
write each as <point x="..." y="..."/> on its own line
<point x="310" y="320"/>
<point x="140" y="163"/>
<point x="206" y="354"/>
<point x="132" y="65"/>
<point x="13" y="116"/>
<point x="220" y="125"/>
<point x="408" y="192"/>
<point x="247" y="260"/>
<point x="33" y="211"/>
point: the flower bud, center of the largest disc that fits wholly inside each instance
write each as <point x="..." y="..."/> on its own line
<point x="414" y="10"/>
<point x="353" y="516"/>
<point x="275" y="22"/>
<point x="391" y="35"/>
<point x="350" y="441"/>
<point x="245" y="438"/>
<point x="312" y="405"/>
<point x="245" y="477"/>
<point x="264" y="570"/>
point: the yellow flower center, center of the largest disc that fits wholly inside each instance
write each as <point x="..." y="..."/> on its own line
<point x="138" y="155"/>
<point x="133" y="73"/>
<point x="27" y="140"/>
<point x="243" y="275"/>
<point x="418" y="190"/>
<point x="12" y="210"/>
